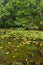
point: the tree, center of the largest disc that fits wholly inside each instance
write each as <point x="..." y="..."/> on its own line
<point x="26" y="14"/>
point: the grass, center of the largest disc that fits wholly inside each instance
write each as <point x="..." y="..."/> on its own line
<point x="21" y="47"/>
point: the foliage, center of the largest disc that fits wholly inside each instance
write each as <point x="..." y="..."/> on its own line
<point x="26" y="14"/>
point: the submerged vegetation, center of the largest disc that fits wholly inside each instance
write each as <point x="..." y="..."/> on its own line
<point x="20" y="47"/>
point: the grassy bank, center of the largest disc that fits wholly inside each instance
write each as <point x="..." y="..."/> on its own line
<point x="35" y="35"/>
